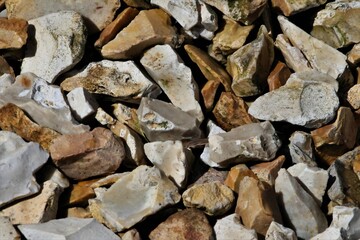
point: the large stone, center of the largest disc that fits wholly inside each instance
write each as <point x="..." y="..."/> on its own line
<point x="268" y="171"/>
<point x="7" y="230"/>
<point x="228" y="227"/>
<point x="289" y="7"/>
<point x="236" y="175"/>
<point x="56" y="44"/>
<point x="13" y="33"/>
<point x="82" y="103"/>
<point x="277" y="231"/>
<point x="301" y="148"/>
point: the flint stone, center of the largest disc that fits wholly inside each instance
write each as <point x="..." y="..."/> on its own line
<point x="58" y="42"/>
<point x="128" y="116"/>
<point x="277" y="231"/>
<point x="133" y="197"/>
<point x="82" y="103"/>
<point x="7" y="230"/>
<point x="236" y="175"/>
<point x="354" y="55"/>
<point x="13" y="33"/>
<point x="278" y="76"/>
<point x="347" y="220"/>
<point x="302" y="148"/>
<point x="353" y="96"/>
<point x="268" y="171"/>
<point x="228" y="227"/>
<point x="289" y="7"/>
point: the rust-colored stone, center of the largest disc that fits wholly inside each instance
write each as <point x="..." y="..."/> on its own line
<point x="268" y="171"/>
<point x="81" y="192"/>
<point x="278" y="76"/>
<point x="13" y="33"/>
<point x="236" y="175"/>
<point x="208" y="93"/>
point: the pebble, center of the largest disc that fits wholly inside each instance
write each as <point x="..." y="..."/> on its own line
<point x="277" y="231"/>
<point x="228" y="227"/>
<point x="7" y="230"/>
<point x="301" y="148"/>
<point x="82" y="103"/>
<point x="268" y="171"/>
<point x="289" y="7"/>
<point x="13" y="33"/>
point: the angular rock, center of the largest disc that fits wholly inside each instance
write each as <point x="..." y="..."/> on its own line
<point x="77" y="212"/>
<point x="132" y="234"/>
<point x="128" y="116"/>
<point x="211" y="175"/>
<point x="82" y="103"/>
<point x="5" y="68"/>
<point x="268" y="171"/>
<point x="13" y="33"/>
<point x="228" y="227"/>
<point x="50" y="173"/>
<point x="56" y="44"/>
<point x="278" y="76"/>
<point x="138" y="4"/>
<point x="90" y="154"/>
<point x="108" y="180"/>
<point x="208" y="93"/>
<point x="149" y="28"/>
<point x="353" y="96"/>
<point x="330" y="234"/>
<point x="346" y="219"/>
<point x="354" y="55"/>
<point x="133" y="197"/>
<point x="236" y="175"/>
<point x="7" y="230"/>
<point x="277" y="231"/>
<point x="302" y="148"/>
<point x="208" y="21"/>
<point x="185" y="224"/>
<point x="289" y="7"/>
<point x="81" y="192"/>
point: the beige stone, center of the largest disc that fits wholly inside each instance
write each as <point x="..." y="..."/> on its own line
<point x="131" y="234"/>
<point x="81" y="192"/>
<point x="13" y="33"/>
<point x="211" y="175"/>
<point x="353" y="96"/>
<point x="278" y="76"/>
<point x="7" y="230"/>
<point x="301" y="148"/>
<point x="268" y="171"/>
<point x="236" y="175"/>
<point x="208" y="93"/>
<point x="128" y="116"/>
<point x="229" y="227"/>
<point x="79" y="212"/>
<point x="289" y="7"/>
<point x="354" y="55"/>
<point x="138" y="4"/>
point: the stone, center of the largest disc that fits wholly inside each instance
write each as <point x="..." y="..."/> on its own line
<point x="5" y="68"/>
<point x="82" y="103"/>
<point x="7" y="230"/>
<point x="346" y="219"/>
<point x="67" y="228"/>
<point x="253" y="141"/>
<point x="231" y="111"/>
<point x="330" y="233"/>
<point x="243" y="65"/>
<point x="256" y="205"/>
<point x="132" y="234"/>
<point x="306" y="218"/>
<point x="13" y="33"/>
<point x="289" y="7"/>
<point x="108" y="180"/>
<point x="168" y="70"/>
<point x="128" y="116"/>
<point x="138" y="3"/>
<point x="208" y="93"/>
<point x="149" y="28"/>
<point x="97" y="14"/>
<point x="205" y="156"/>
<point x="161" y="121"/>
<point x="268" y="171"/>
<point x="336" y="24"/>
<point x="56" y="44"/>
<point x="89" y="154"/>
<point x="172" y="158"/>
<point x="354" y="55"/>
<point x="228" y="227"/>
<point x="14" y="119"/>
<point x="277" y="231"/>
<point x="50" y="173"/>
<point x="211" y="175"/>
<point x="208" y="21"/>
<point x="133" y="197"/>
<point x="119" y="80"/>
<point x="353" y="96"/>
<point x="81" y="192"/>
<point x="78" y="212"/>
<point x="236" y="175"/>
<point x="19" y="161"/>
<point x="301" y="148"/>
<point x="186" y="224"/>
<point x="214" y="198"/>
<point x="278" y="76"/>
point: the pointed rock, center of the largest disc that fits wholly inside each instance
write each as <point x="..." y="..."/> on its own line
<point x="5" y="68"/>
<point x="81" y="192"/>
<point x="13" y="33"/>
<point x="228" y="227"/>
<point x="82" y="103"/>
<point x="212" y="129"/>
<point x="208" y="93"/>
<point x="268" y="171"/>
<point x="278" y="76"/>
<point x="277" y="231"/>
<point x="236" y="175"/>
<point x="302" y="148"/>
<point x="7" y="230"/>
<point x="289" y="7"/>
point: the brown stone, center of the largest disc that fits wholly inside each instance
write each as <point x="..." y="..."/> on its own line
<point x="268" y="171"/>
<point x="354" y="55"/>
<point x="13" y="33"/>
<point x="137" y="4"/>
<point x="184" y="225"/>
<point x="290" y="7"/>
<point x="208" y="93"/>
<point x="231" y="111"/>
<point x="14" y="119"/>
<point x="81" y="192"/>
<point x="5" y="67"/>
<point x="278" y="76"/>
<point x="128" y="116"/>
<point x="211" y="175"/>
<point x="79" y="212"/>
<point x="236" y="175"/>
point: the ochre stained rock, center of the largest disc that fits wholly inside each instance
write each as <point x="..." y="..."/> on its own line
<point x="13" y="33"/>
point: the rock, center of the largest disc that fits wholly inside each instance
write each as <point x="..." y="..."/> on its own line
<point x="336" y="24"/>
<point x="67" y="228"/>
<point x="330" y="234"/>
<point x="81" y="192"/>
<point x="231" y="112"/>
<point x="108" y="180"/>
<point x="19" y="161"/>
<point x="133" y="197"/>
<point x="289" y="7"/>
<point x="120" y="80"/>
<point x="168" y="70"/>
<point x="97" y="14"/>
<point x="132" y="234"/>
<point x="172" y="158"/>
<point x="214" y="198"/>
<point x="306" y="218"/>
<point x="138" y="3"/>
<point x="186" y="224"/>
<point x="56" y="44"/>
<point x="50" y="173"/>
<point x="161" y="121"/>
<point x="256" y="205"/>
<point x="268" y="171"/>
<point x="77" y="212"/>
<point x="149" y="28"/>
<point x="13" y="118"/>
<point x="128" y="116"/>
<point x="277" y="231"/>
<point x="243" y="65"/>
<point x="89" y="154"/>
<point x="205" y="156"/>
<point x="208" y="93"/>
<point x="278" y="76"/>
<point x="302" y="148"/>
<point x="5" y="68"/>
<point x="82" y="103"/>
<point x="208" y="21"/>
<point x="253" y="141"/>
<point x="353" y="96"/>
<point x="354" y="55"/>
<point x="236" y="175"/>
<point x="13" y="33"/>
<point x="346" y="219"/>
<point x="7" y="230"/>
<point x="211" y="175"/>
<point x="228" y="227"/>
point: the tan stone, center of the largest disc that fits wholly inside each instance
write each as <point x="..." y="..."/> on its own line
<point x="132" y="234"/>
<point x="236" y="175"/>
<point x="290" y="7"/>
<point x="278" y="76"/>
<point x="353" y="96"/>
<point x="211" y="175"/>
<point x="208" y="93"/>
<point x="5" y="67"/>
<point x="149" y="28"/>
<point x="13" y="33"/>
<point x="79" y="212"/>
<point x="137" y="3"/>
<point x="81" y="192"/>
<point x="354" y="55"/>
<point x="108" y="180"/>
<point x="128" y="116"/>
<point x="268" y="171"/>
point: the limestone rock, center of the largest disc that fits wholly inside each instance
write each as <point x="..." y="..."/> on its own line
<point x="277" y="231"/>
<point x="214" y="198"/>
<point x="354" y="55"/>
<point x="346" y="219"/>
<point x="82" y="103"/>
<point x="81" y="192"/>
<point x="168" y="70"/>
<point x="149" y="28"/>
<point x="289" y="7"/>
<point x="5" y="68"/>
<point x="89" y="154"/>
<point x="56" y="44"/>
<point x="13" y="33"/>
<point x="121" y="80"/>
<point x="268" y="171"/>
<point x="208" y="93"/>
<point x="278" y="76"/>
<point x="228" y="227"/>
<point x="19" y="161"/>
<point x="302" y="148"/>
<point x="133" y="197"/>
<point x="185" y="224"/>
<point x="7" y="230"/>
<point x="128" y="116"/>
<point x="353" y="96"/>
<point x="236" y="175"/>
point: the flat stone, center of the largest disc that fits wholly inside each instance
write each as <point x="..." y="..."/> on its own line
<point x="5" y="68"/>
<point x="236" y="175"/>
<point x="354" y="55"/>
<point x="89" y="154"/>
<point x="228" y="227"/>
<point x="277" y="231"/>
<point x="19" y="161"/>
<point x="82" y="103"/>
<point x="278" y="76"/>
<point x="301" y="148"/>
<point x="289" y="7"/>
<point x="208" y="93"/>
<point x="185" y="224"/>
<point x="214" y="198"/>
<point x="67" y="228"/>
<point x="81" y="192"/>
<point x="248" y="78"/>
<point x="133" y="197"/>
<point x="7" y="230"/>
<point x="168" y="70"/>
<point x="56" y="44"/>
<point x="120" y="80"/>
<point x="268" y="171"/>
<point x="13" y="33"/>
<point x="149" y="28"/>
<point x="306" y="218"/>
<point x="353" y="96"/>
<point x="346" y="219"/>
<point x="78" y="212"/>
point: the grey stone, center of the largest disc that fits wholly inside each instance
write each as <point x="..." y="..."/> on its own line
<point x="289" y="7"/>
<point x="228" y="227"/>
<point x="82" y="103"/>
<point x="302" y="148"/>
<point x="347" y="220"/>
<point x="7" y="230"/>
<point x="277" y="231"/>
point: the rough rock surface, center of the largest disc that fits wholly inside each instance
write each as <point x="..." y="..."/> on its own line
<point x="7" y="230"/>
<point x="128" y="116"/>
<point x="82" y="103"/>
<point x="277" y="231"/>
<point x="236" y="175"/>
<point x="302" y="148"/>
<point x="347" y="219"/>
<point x="289" y="7"/>
<point x="353" y="96"/>
<point x="278" y="76"/>
<point x="268" y="171"/>
<point x="354" y="55"/>
<point x="228" y="227"/>
<point x="13" y="33"/>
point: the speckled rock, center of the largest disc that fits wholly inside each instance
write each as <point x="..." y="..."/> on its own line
<point x="228" y="227"/>
<point x="289" y="7"/>
<point x="301" y="148"/>
<point x="7" y="230"/>
<point x="13" y="33"/>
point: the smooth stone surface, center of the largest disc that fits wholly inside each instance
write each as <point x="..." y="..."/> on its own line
<point x="13" y="33"/>
<point x="353" y="96"/>
<point x="278" y="76"/>
<point x="277" y="231"/>
<point x="236" y="175"/>
<point x="268" y="171"/>
<point x="82" y="103"/>
<point x="289" y="7"/>
<point x="301" y="148"/>
<point x="7" y="230"/>
<point x="228" y="227"/>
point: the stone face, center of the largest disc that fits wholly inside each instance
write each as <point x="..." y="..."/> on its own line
<point x="354" y="55"/>
<point x="56" y="44"/>
<point x="278" y="76"/>
<point x="81" y="103"/>
<point x="289" y="7"/>
<point x="7" y="230"/>
<point x="186" y="224"/>
<point x="353" y="96"/>
<point x="277" y="231"/>
<point x="87" y="155"/>
<point x="268" y="171"/>
<point x="228" y="227"/>
<point x="5" y="68"/>
<point x="346" y="219"/>
<point x="208" y="93"/>
<point x="120" y="80"/>
<point x="149" y="28"/>
<point x="302" y="148"/>
<point x="133" y="197"/>
<point x="19" y="161"/>
<point x="81" y="192"/>
<point x="13" y="33"/>
<point x="236" y="175"/>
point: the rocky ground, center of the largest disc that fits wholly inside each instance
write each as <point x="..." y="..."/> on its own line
<point x="179" y="119"/>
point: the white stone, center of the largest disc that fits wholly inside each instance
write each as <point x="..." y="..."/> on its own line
<point x="329" y="234"/>
<point x="58" y="44"/>
<point x="19" y="160"/>
<point x="348" y="220"/>
<point x="277" y="231"/>
<point x="174" y="77"/>
<point x="81" y="102"/>
<point x="208" y="17"/>
<point x="302" y="148"/>
<point x="229" y="227"/>
<point x="7" y="230"/>
<point x="315" y="77"/>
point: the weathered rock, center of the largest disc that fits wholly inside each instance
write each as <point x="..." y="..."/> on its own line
<point x="208" y="21"/>
<point x="289" y="7"/>
<point x="306" y="218"/>
<point x="149" y="28"/>
<point x="133" y="197"/>
<point x="81" y="192"/>
<point x="13" y="33"/>
<point x="186" y="224"/>
<point x="353" y="96"/>
<point x="228" y="227"/>
<point x="5" y="68"/>
<point x="278" y="76"/>
<point x="19" y="161"/>
<point x="268" y="171"/>
<point x="211" y="175"/>
<point x="249" y="78"/>
<point x="77" y="212"/>
<point x="277" y="231"/>
<point x="82" y="103"/>
<point x="346" y="219"/>
<point x="208" y="93"/>
<point x="108" y="180"/>
<point x="354" y="55"/>
<point x="236" y="175"/>
<point x="214" y="198"/>
<point x="88" y="154"/>
<point x="330" y="234"/>
<point x="7" y="230"/>
<point x="302" y="148"/>
<point x="50" y="173"/>
<point x="120" y="80"/>
<point x="56" y="44"/>
<point x="128" y="116"/>
<point x="351" y="160"/>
